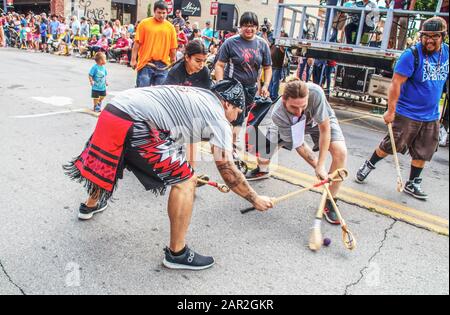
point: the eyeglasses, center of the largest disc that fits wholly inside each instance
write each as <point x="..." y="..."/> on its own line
<point x="434" y="37"/>
<point x="249" y="26"/>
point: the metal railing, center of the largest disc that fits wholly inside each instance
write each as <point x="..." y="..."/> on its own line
<point x="322" y="37"/>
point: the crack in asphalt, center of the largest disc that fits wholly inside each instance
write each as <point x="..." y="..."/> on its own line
<point x="353" y="284"/>
<point x="386" y="231"/>
<point x="10" y="280"/>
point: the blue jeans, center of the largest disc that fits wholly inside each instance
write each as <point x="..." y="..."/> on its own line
<point x="334" y="31"/>
<point x="328" y="71"/>
<point x="317" y="72"/>
<point x="250" y="94"/>
<point x="304" y="65"/>
<point x="274" y="86"/>
<point x="149" y="77"/>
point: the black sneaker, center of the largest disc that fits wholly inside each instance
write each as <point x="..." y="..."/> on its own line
<point x="257" y="174"/>
<point x="87" y="213"/>
<point x="190" y="260"/>
<point x="413" y="188"/>
<point x="364" y="171"/>
<point x="241" y="165"/>
<point x="330" y="214"/>
<point x="316" y="148"/>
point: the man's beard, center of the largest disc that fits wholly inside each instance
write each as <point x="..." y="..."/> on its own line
<point x="426" y="51"/>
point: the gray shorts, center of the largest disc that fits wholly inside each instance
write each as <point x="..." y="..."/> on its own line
<point x="273" y="139"/>
<point x="336" y="132"/>
<point x="314" y="133"/>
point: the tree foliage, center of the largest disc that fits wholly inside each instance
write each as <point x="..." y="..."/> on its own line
<point x="426" y="5"/>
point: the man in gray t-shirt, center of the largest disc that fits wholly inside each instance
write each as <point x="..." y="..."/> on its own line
<point x="187" y="114"/>
<point x="304" y="109"/>
<point x="317" y="112"/>
<point x="145" y="130"/>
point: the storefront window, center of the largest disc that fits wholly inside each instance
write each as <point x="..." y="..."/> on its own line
<point x="124" y="10"/>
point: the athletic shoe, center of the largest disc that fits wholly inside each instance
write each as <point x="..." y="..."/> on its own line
<point x="86" y="213"/>
<point x="190" y="260"/>
<point x="316" y="148"/>
<point x="241" y="165"/>
<point x="257" y="174"/>
<point x="413" y="188"/>
<point x="364" y="171"/>
<point x="98" y="109"/>
<point x="330" y="214"/>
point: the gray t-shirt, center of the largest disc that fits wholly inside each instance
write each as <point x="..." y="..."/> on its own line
<point x="245" y="58"/>
<point x="317" y="111"/>
<point x="189" y="114"/>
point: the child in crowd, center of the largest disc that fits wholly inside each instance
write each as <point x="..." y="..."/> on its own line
<point x="180" y="52"/>
<point x="23" y="37"/>
<point x="97" y="78"/>
<point x="29" y="36"/>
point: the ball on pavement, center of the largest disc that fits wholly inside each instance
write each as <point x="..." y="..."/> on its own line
<point x="326" y="242"/>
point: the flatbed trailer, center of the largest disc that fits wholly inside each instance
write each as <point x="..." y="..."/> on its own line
<point x="296" y="18"/>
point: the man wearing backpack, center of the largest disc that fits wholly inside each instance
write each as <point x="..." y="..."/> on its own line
<point x="414" y="95"/>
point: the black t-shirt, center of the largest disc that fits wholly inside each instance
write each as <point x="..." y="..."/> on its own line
<point x="179" y="76"/>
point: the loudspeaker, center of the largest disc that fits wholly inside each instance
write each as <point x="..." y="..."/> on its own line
<point x="353" y="78"/>
<point x="225" y="17"/>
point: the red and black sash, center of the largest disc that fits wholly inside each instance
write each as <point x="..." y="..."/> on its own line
<point x="101" y="163"/>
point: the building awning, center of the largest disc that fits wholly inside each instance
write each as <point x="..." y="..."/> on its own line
<point x="191" y="8"/>
<point x="20" y="2"/>
<point x="132" y="2"/>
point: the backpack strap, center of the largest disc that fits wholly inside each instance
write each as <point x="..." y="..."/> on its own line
<point x="415" y="53"/>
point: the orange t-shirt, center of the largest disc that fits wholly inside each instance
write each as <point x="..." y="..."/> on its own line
<point x="156" y="41"/>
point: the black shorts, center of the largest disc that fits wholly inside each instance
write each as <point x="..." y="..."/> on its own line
<point x="98" y="94"/>
<point x="155" y="159"/>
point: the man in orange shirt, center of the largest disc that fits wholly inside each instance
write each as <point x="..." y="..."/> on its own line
<point x="156" y="43"/>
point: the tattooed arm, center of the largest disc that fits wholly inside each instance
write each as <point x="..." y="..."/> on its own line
<point x="308" y="155"/>
<point x="236" y="180"/>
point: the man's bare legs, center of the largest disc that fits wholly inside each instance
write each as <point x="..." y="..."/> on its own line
<point x="92" y="201"/>
<point x="181" y="201"/>
<point x="338" y="151"/>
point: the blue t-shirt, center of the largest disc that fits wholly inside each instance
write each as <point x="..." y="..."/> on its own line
<point x="420" y="95"/>
<point x="43" y="29"/>
<point x="98" y="74"/>
<point x="209" y="32"/>
<point x="54" y="25"/>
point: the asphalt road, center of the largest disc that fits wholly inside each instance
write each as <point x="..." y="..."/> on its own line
<point x="44" y="249"/>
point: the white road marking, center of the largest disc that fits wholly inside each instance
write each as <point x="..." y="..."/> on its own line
<point x="58" y="101"/>
<point x="80" y="110"/>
